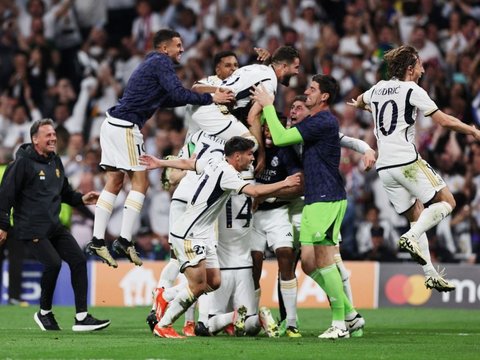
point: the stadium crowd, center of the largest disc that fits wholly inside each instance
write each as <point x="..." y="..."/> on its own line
<point x="70" y="61"/>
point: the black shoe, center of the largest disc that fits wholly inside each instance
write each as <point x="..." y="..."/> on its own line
<point x="201" y="329"/>
<point x="125" y="247"/>
<point x="90" y="324"/>
<point x="152" y="320"/>
<point x="46" y="322"/>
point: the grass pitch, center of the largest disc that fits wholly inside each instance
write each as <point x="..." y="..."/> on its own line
<point x="389" y="334"/>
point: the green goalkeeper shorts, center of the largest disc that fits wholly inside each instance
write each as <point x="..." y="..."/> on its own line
<point x="321" y="223"/>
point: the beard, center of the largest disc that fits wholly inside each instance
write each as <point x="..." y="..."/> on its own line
<point x="285" y="80"/>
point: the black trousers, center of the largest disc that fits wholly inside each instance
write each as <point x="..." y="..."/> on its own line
<point x="50" y="251"/>
<point x="16" y="254"/>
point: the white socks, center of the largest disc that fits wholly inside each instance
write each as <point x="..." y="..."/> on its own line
<point x="218" y="322"/>
<point x="344" y="274"/>
<point x="177" y="306"/>
<point x="252" y="325"/>
<point x="203" y="308"/>
<point x="131" y="213"/>
<point x="81" y="316"/>
<point x="103" y="211"/>
<point x="190" y="314"/>
<point x="288" y="288"/>
<point x="424" y="246"/>
<point x="171" y="293"/>
<point x="169" y="274"/>
<point x="430" y="217"/>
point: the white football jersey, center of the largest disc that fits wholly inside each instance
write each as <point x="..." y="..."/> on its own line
<point x="243" y="79"/>
<point x="235" y="229"/>
<point x="394" y="106"/>
<point x="217" y="182"/>
<point x="192" y="126"/>
<point x="204" y="146"/>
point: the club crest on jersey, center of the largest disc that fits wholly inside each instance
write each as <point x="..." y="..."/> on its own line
<point x="274" y="161"/>
<point x="57" y="172"/>
<point x="41" y="174"/>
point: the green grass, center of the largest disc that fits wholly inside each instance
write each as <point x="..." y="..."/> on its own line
<point x="390" y="334"/>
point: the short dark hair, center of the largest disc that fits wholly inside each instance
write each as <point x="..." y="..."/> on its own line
<point x="286" y="54"/>
<point x="399" y="59"/>
<point x="301" y="97"/>
<point x="164" y="35"/>
<point x="327" y="84"/>
<point x="36" y="125"/>
<point x="238" y="144"/>
<point x="220" y="55"/>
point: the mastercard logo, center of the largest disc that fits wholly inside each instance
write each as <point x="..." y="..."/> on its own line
<point x="403" y="289"/>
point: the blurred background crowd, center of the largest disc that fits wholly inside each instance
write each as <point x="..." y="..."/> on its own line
<point x="70" y="61"/>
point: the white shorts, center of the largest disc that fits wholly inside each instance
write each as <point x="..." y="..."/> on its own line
<point x="236" y="289"/>
<point x="295" y="209"/>
<point x="190" y="252"/>
<point x="405" y="184"/>
<point x="122" y="144"/>
<point x="177" y="209"/>
<point x="272" y="228"/>
<point x="210" y="119"/>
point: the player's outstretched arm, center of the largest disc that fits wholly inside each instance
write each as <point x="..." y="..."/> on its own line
<point x="151" y="162"/>
<point x="204" y="88"/>
<point x="267" y="189"/>
<point x="280" y="135"/>
<point x="361" y="147"/>
<point x="452" y="123"/>
<point x="359" y="103"/>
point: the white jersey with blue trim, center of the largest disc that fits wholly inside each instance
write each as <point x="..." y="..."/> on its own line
<point x="218" y="180"/>
<point x="394" y="105"/>
<point x="244" y="78"/>
<point x="212" y="80"/>
<point x="203" y="146"/>
<point x="235" y="229"/>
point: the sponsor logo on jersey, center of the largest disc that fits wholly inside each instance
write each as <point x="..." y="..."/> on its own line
<point x="274" y="161"/>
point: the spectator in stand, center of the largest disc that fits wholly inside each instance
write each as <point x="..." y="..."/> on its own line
<point x="145" y="25"/>
<point x="376" y="239"/>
